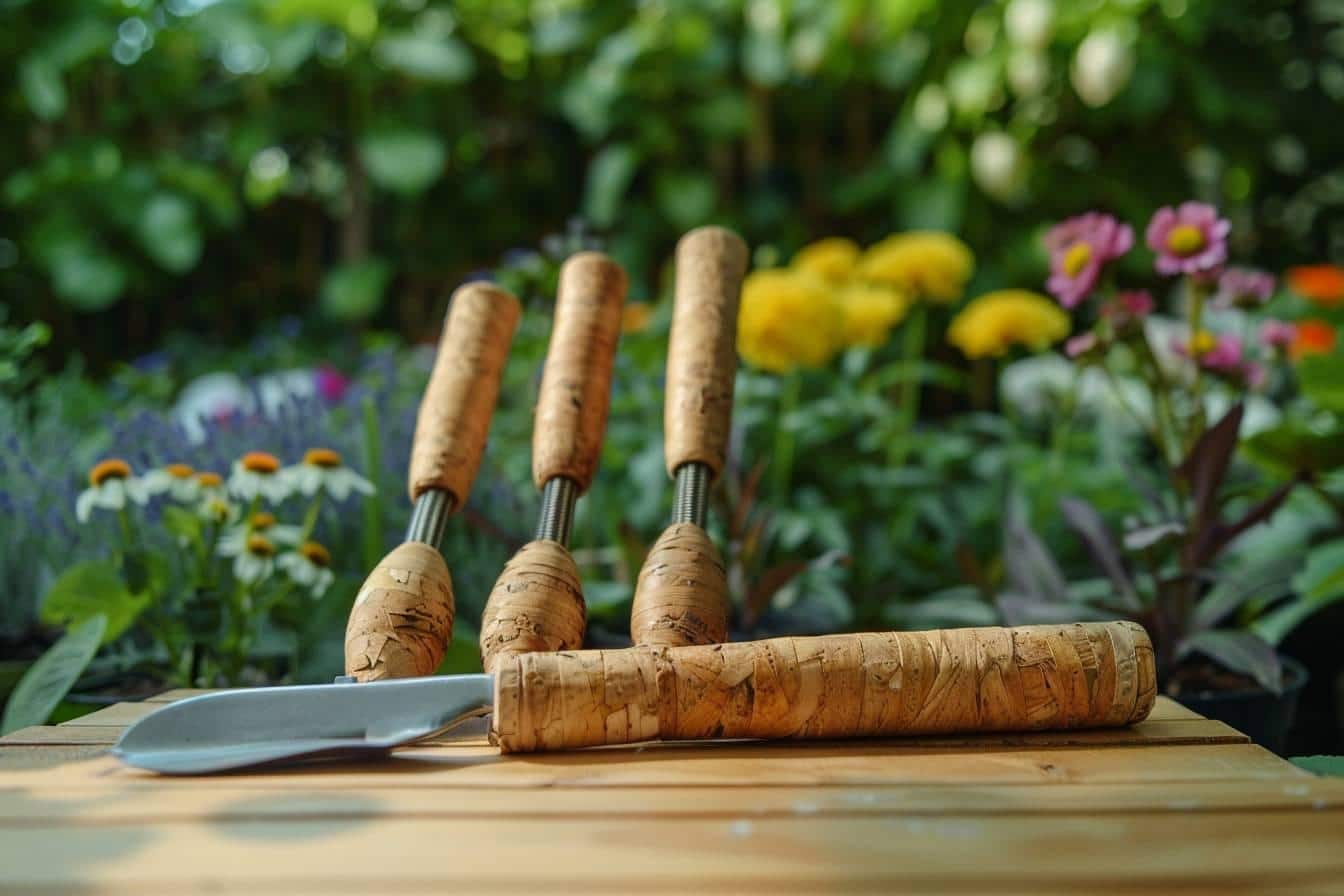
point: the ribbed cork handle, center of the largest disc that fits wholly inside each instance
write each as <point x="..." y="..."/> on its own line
<point x="702" y="351"/>
<point x="1085" y="675"/>
<point x="460" y="398"/>
<point x="576" y="380"/>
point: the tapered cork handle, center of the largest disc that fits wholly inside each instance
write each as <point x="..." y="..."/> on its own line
<point x="1085" y="675"/>
<point x="702" y="351"/>
<point x="463" y="387"/>
<point x="681" y="596"/>
<point x="576" y="381"/>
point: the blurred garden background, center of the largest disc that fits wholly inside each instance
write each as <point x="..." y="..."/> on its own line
<point x="229" y="230"/>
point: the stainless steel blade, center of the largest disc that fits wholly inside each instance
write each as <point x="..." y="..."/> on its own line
<point x="236" y="729"/>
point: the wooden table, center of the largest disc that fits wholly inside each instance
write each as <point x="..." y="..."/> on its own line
<point x="1176" y="804"/>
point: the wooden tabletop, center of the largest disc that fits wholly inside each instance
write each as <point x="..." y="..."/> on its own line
<point x="1176" y="804"/>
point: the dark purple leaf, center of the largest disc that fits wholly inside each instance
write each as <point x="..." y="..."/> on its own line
<point x="1226" y="597"/>
<point x="1206" y="466"/>
<point x="1238" y="651"/>
<point x="1145" y="537"/>
<point x="1028" y="566"/>
<point x="1023" y="609"/>
<point x="1217" y="535"/>
<point x="1085" y="520"/>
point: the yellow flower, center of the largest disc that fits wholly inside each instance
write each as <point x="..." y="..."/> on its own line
<point x="787" y="320"/>
<point x="635" y="317"/>
<point x="870" y="312"/>
<point x="833" y="258"/>
<point x="996" y="321"/>
<point x="925" y="264"/>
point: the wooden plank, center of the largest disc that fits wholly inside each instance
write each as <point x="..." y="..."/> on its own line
<point x="1234" y="851"/>
<point x="777" y="764"/>
<point x="62" y="734"/>
<point x="118" y="714"/>
<point x="176" y="694"/>
<point x="178" y="800"/>
<point x="28" y="759"/>
<point x="1167" y="709"/>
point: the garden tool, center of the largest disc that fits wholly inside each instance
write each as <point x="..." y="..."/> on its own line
<point x="537" y="603"/>
<point x="402" y="618"/>
<point x="681" y="596"/>
<point x="1084" y="675"/>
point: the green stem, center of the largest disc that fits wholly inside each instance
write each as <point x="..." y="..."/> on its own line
<point x="912" y="352"/>
<point x="785" y="440"/>
<point x="372" y="530"/>
<point x="1197" y="297"/>
<point x="311" y="516"/>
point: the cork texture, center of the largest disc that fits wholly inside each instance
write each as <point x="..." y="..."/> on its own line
<point x="402" y="619"/>
<point x="681" y="596"/>
<point x="702" y="351"/>
<point x="536" y="604"/>
<point x="459" y="400"/>
<point x="1084" y="675"/>
<point x="575" y="393"/>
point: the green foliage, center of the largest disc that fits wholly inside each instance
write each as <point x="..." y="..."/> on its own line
<point x="89" y="589"/>
<point x="49" y="679"/>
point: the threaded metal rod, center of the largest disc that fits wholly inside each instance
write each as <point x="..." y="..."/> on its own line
<point x="429" y="517"/>
<point x="692" y="501"/>
<point x="557" y="510"/>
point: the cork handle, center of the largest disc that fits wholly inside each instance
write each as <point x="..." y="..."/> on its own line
<point x="576" y="381"/>
<point x="702" y="352"/>
<point x="895" y="683"/>
<point x="460" y="398"/>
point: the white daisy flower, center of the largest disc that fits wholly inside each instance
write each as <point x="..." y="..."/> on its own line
<point x="309" y="566"/>
<point x="234" y="542"/>
<point x="213" y="499"/>
<point x="256" y="560"/>
<point x="257" y="474"/>
<point x="175" y="480"/>
<point x="325" y="470"/>
<point x="111" y="485"/>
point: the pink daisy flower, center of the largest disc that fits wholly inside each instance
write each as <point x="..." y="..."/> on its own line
<point x="1189" y="239"/>
<point x="1244" y="288"/>
<point x="1277" y="334"/>
<point x="1079" y="248"/>
<point x="1080" y="344"/>
<point x="1128" y="308"/>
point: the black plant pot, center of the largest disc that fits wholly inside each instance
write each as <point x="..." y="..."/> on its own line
<point x="1262" y="716"/>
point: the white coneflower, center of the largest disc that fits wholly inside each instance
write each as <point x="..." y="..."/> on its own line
<point x="256" y="561"/>
<point x="309" y="566"/>
<point x="234" y="542"/>
<point x="111" y="485"/>
<point x="325" y="470"/>
<point x="257" y="475"/>
<point x="178" y="481"/>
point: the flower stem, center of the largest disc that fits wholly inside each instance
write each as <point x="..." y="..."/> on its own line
<point x="1198" y="422"/>
<point x="785" y="439"/>
<point x="372" y="530"/>
<point x="913" y="335"/>
<point x="311" y="516"/>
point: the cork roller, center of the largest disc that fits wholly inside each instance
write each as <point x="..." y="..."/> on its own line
<point x="537" y="602"/>
<point x="681" y="595"/>
<point x="402" y="618"/>
<point x="1084" y="675"/>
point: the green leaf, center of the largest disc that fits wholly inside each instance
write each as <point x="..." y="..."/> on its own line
<point x="1240" y="651"/>
<point x="1321" y="378"/>
<point x="182" y="523"/>
<point x="354" y="291"/>
<point x="1322" y="578"/>
<point x="464" y="652"/>
<point x="1297" y="445"/>
<point x="168" y="231"/>
<point x="609" y="176"/>
<point x="83" y="274"/>
<point x="49" y="679"/>
<point x="89" y="589"/>
<point x="42" y="88"/>
<point x="404" y="161"/>
<point x="431" y="57"/>
<point x="686" y="198"/>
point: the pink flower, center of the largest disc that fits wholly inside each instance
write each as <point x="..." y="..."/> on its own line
<point x="1128" y="308"/>
<point x="1277" y="334"/>
<point x="1080" y="344"/>
<point x="1079" y="248"/>
<point x="330" y="383"/>
<point x="1223" y="355"/>
<point x="1255" y="374"/>
<point x="1244" y="288"/>
<point x="1189" y="239"/>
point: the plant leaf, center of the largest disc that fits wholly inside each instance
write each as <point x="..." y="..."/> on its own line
<point x="49" y="679"/>
<point x="1240" y="651"/>
<point x="1089" y="525"/>
<point x="354" y="291"/>
<point x="1321" y="378"/>
<point x="1029" y="568"/>
<point x="1206" y="465"/>
<point x="1231" y="592"/>
<point x="1145" y="537"/>
<point x="1022" y="609"/>
<point x="402" y="160"/>
<point x="89" y="589"/>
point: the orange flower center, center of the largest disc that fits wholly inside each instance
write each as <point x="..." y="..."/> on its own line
<point x="112" y="468"/>
<point x="1312" y="337"/>
<point x="1076" y="258"/>
<point x="209" y="480"/>
<point x="323" y="457"/>
<point x="260" y="546"/>
<point x="260" y="462"/>
<point x="260" y="522"/>
<point x="315" y="553"/>
<point x="179" y="471"/>
<point x="1185" y="239"/>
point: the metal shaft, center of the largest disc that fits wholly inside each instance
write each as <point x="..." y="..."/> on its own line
<point x="557" y="510"/>
<point x="692" y="501"/>
<point x="429" y="517"/>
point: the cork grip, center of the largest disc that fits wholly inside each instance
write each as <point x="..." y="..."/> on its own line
<point x="536" y="604"/>
<point x="896" y="683"/>
<point x="702" y="352"/>
<point x="402" y="619"/>
<point x="576" y="381"/>
<point x="681" y="596"/>
<point x="460" y="398"/>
